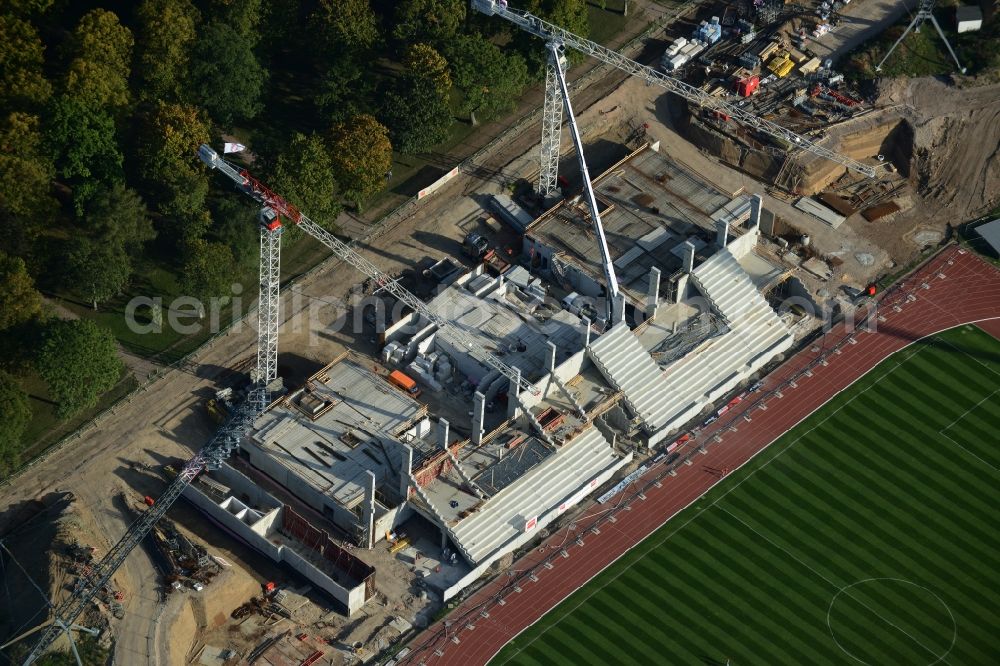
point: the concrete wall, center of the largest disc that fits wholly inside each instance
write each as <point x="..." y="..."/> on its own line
<point x="743" y="245"/>
<point x="391" y="518"/>
<point x="232" y="523"/>
<point x="353" y="598"/>
<point x="257" y="535"/>
<point x="265" y="462"/>
<point x="543" y="520"/>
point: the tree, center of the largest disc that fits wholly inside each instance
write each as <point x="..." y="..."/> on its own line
<point x="79" y="362"/>
<point x="167" y="155"/>
<point x="423" y="61"/>
<point x="208" y="268"/>
<point x="304" y="175"/>
<point x="16" y="414"/>
<point x="434" y="21"/>
<point x="21" y="59"/>
<point x="491" y="80"/>
<point x="243" y="16"/>
<point x="343" y="26"/>
<point x="26" y="173"/>
<point x="226" y="78"/>
<point x="166" y="35"/>
<point x="19" y="300"/>
<point x="119" y="216"/>
<point x="344" y="90"/>
<point x="362" y="157"/>
<point x="570" y="15"/>
<point x="27" y="7"/>
<point x="98" y="74"/>
<point x="97" y="269"/>
<point x="85" y="148"/>
<point x="100" y="265"/>
<point x="417" y="117"/>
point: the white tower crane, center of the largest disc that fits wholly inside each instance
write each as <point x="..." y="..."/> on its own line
<point x="925" y="11"/>
<point x="615" y="310"/>
<point x="550" y="125"/>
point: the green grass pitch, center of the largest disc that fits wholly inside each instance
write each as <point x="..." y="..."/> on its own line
<point x="868" y="534"/>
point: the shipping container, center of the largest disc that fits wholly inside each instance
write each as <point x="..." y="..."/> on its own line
<point x="405" y="383"/>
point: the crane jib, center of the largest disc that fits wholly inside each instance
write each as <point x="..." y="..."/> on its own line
<point x="549" y="31"/>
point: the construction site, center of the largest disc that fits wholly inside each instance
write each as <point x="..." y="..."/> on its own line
<point x="621" y="286"/>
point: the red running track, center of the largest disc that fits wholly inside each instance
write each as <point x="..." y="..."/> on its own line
<point x="962" y="289"/>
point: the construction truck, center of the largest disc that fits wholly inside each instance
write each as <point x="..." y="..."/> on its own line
<point x="475" y="246"/>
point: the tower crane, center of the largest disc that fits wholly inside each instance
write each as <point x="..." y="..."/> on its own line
<point x="229" y="435"/>
<point x="258" y="191"/>
<point x="925" y="12"/>
<point x="550" y="116"/>
<point x="556" y="65"/>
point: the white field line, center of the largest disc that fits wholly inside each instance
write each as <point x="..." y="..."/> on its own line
<point x="956" y="443"/>
<point x="938" y="658"/>
<point x="685" y="507"/>
<point x="716" y="501"/>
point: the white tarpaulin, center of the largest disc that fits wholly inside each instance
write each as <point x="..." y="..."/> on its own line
<point x="234" y="148"/>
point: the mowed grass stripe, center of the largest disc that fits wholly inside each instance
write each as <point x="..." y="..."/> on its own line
<point x="831" y="503"/>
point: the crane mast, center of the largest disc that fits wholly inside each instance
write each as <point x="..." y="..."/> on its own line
<point x="555" y="63"/>
<point x="549" y="32"/>
<point x="211" y="456"/>
<point x="258" y="191"/>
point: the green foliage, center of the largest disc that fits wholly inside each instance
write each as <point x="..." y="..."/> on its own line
<point x="343" y="26"/>
<point x="79" y="362"/>
<point x="417" y="117"/>
<point x="26" y="173"/>
<point x="101" y="264"/>
<point x="21" y="58"/>
<point x="225" y="76"/>
<point x="422" y="61"/>
<point x="98" y="270"/>
<point x="434" y="21"/>
<point x="98" y="74"/>
<point x="243" y="16"/>
<point x="24" y="8"/>
<point x="344" y="90"/>
<point x="16" y="413"/>
<point x="85" y="148"/>
<point x="168" y="159"/>
<point x="304" y="176"/>
<point x="19" y="300"/>
<point x="492" y="81"/>
<point x="362" y="156"/>
<point x="167" y="31"/>
<point x="209" y="269"/>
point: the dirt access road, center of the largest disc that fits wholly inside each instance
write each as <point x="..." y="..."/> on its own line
<point x="167" y="420"/>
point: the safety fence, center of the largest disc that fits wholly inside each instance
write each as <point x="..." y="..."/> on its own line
<point x="825" y="346"/>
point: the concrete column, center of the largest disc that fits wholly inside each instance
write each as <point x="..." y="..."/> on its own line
<point x="478" y="416"/>
<point x="405" y="469"/>
<point x="443" y="433"/>
<point x="368" y="511"/>
<point x="721" y="233"/>
<point x="688" y="256"/>
<point x="618" y="309"/>
<point x="550" y="356"/>
<point x="512" y="393"/>
<point x="682" y="284"/>
<point x="586" y="331"/>
<point x="756" y="204"/>
<point x="653" y="294"/>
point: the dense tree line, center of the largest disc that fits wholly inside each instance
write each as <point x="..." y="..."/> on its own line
<point x="102" y="107"/>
